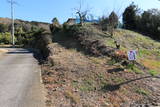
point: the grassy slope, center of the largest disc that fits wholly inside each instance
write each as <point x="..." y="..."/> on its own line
<point x="80" y="80"/>
<point x="148" y="49"/>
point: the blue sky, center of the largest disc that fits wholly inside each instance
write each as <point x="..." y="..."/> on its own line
<point x="45" y="10"/>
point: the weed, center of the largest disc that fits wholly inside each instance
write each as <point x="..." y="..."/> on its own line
<point x="112" y="62"/>
<point x="151" y="64"/>
<point x="85" y="88"/>
<point x="87" y="85"/>
<point x="153" y="73"/>
<point x="95" y="60"/>
<point x="137" y="70"/>
<point x="72" y="97"/>
<point x="100" y="76"/>
<point x="132" y="67"/>
<point x="123" y="48"/>
<point x="102" y="80"/>
<point x="75" y="84"/>
<point x="118" y="80"/>
<point x="142" y="91"/>
<point x="48" y="102"/>
<point x="144" y="52"/>
<point x="110" y="42"/>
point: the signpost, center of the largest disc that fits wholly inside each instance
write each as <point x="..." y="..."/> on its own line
<point x="132" y="55"/>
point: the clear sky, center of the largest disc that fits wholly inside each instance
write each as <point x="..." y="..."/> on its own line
<point x="45" y="10"/>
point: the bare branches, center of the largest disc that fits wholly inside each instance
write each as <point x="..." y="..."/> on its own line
<point x="82" y="14"/>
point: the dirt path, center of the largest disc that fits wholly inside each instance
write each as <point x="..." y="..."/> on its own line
<point x="20" y="80"/>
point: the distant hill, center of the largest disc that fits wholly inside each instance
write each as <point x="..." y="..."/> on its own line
<point x="28" y="24"/>
<point x="5" y="21"/>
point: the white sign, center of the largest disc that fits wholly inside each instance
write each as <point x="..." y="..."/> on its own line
<point x="132" y="55"/>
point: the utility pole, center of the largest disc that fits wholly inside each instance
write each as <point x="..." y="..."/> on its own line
<point x="12" y="18"/>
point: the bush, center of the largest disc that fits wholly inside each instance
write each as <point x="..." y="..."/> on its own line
<point x="113" y="20"/>
<point x="104" y="23"/>
<point x="109" y="23"/>
<point x="5" y="38"/>
<point x="3" y="28"/>
<point x="55" y="26"/>
<point x="153" y="73"/>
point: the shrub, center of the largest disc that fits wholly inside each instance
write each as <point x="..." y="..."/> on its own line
<point x="55" y="26"/>
<point x="142" y="91"/>
<point x="113" y="20"/>
<point x="5" y="38"/>
<point x="109" y="23"/>
<point x="153" y="73"/>
<point x="104" y="23"/>
<point x="3" y="28"/>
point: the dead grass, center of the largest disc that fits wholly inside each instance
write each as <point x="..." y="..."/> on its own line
<point x="151" y="64"/>
<point x="74" y="98"/>
<point x="81" y="79"/>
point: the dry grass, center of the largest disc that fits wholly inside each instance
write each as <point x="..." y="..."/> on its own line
<point x="151" y="64"/>
<point x="74" y="98"/>
<point x="78" y="80"/>
<point x="147" y="48"/>
<point x="132" y="40"/>
<point x="69" y="59"/>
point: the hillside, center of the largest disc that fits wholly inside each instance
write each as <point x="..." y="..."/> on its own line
<point x="24" y="24"/>
<point x="25" y="31"/>
<point x="148" y="49"/>
<point x="7" y="21"/>
<point x="84" y="70"/>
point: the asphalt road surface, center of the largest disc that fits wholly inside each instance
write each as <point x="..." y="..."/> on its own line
<point x="20" y="84"/>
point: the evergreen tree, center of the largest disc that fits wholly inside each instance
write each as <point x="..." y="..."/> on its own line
<point x="130" y="17"/>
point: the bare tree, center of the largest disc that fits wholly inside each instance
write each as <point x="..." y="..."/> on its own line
<point x="111" y="22"/>
<point x="82" y="14"/>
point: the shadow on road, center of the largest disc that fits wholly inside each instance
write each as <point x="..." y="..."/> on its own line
<point x="20" y="52"/>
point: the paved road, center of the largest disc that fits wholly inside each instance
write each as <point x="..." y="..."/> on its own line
<point x="20" y="84"/>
